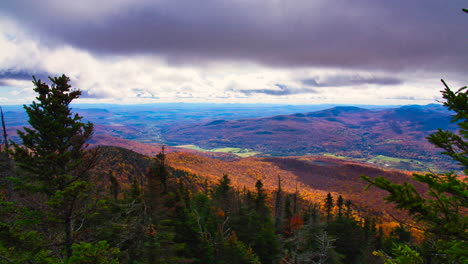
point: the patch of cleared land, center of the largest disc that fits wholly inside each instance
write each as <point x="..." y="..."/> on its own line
<point x="237" y="151"/>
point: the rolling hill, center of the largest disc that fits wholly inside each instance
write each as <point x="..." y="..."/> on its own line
<point x="313" y="177"/>
<point x="389" y="137"/>
<point x="386" y="137"/>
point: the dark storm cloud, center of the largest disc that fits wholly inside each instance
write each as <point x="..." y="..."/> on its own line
<point x="21" y="75"/>
<point x="280" y="91"/>
<point x="366" y="34"/>
<point x="353" y="80"/>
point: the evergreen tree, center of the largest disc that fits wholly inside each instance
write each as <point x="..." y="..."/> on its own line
<point x="329" y="206"/>
<point x="312" y="214"/>
<point x="263" y="239"/>
<point x="339" y="204"/>
<point x="160" y="201"/>
<point x="223" y="195"/>
<point x="349" y="210"/>
<point x="224" y="186"/>
<point x="311" y="244"/>
<point x="455" y="145"/>
<point x="236" y="252"/>
<point x="295" y="201"/>
<point x="114" y="188"/>
<point x="254" y="225"/>
<point x="350" y="239"/>
<point x="53" y="159"/>
<point x="443" y="215"/>
<point x="279" y="218"/>
<point x="52" y="154"/>
<point x="261" y="199"/>
<point x="19" y="242"/>
<point x="201" y="223"/>
<point x="398" y="235"/>
<point x="287" y="216"/>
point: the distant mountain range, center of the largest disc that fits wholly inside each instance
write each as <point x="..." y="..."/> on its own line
<point x="385" y="136"/>
<point x="314" y="151"/>
<point x="391" y="137"/>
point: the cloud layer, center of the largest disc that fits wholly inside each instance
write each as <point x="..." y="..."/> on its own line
<point x="362" y="33"/>
<point x="353" y="80"/>
<point x="202" y="49"/>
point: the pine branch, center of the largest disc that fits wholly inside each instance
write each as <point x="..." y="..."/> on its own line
<point x="6" y="259"/>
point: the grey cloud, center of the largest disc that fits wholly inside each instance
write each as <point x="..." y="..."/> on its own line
<point x="280" y="91"/>
<point x="147" y="97"/>
<point x="409" y="98"/>
<point x="95" y="95"/>
<point x="365" y="34"/>
<point x="412" y="98"/>
<point x="350" y="80"/>
<point x="21" y="75"/>
<point x="144" y="93"/>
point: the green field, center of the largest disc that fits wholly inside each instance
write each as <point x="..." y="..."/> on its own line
<point x="382" y="158"/>
<point x="389" y="162"/>
<point x="399" y="163"/>
<point x="335" y="156"/>
<point x="243" y="153"/>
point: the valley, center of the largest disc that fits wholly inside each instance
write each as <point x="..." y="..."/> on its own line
<point x="387" y="137"/>
<point x="319" y="152"/>
<point x="233" y="132"/>
<point x="291" y="162"/>
<point x="394" y="138"/>
<point x="316" y="152"/>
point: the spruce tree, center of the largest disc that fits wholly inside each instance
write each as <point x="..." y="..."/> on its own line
<point x="279" y="216"/>
<point x="340" y="203"/>
<point x="52" y="154"/>
<point x="349" y="210"/>
<point x="454" y="145"/>
<point x="264" y="241"/>
<point x="442" y="211"/>
<point x="329" y="206"/>
<point x="160" y="204"/>
<point x="52" y="158"/>
<point x="261" y="199"/>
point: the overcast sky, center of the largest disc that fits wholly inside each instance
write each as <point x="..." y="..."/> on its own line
<point x="236" y="51"/>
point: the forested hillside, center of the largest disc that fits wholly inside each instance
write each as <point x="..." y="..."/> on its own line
<point x="65" y="201"/>
<point x="395" y="137"/>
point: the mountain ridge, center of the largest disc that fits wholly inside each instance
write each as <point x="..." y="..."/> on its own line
<point x="344" y="131"/>
<point x="394" y="137"/>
